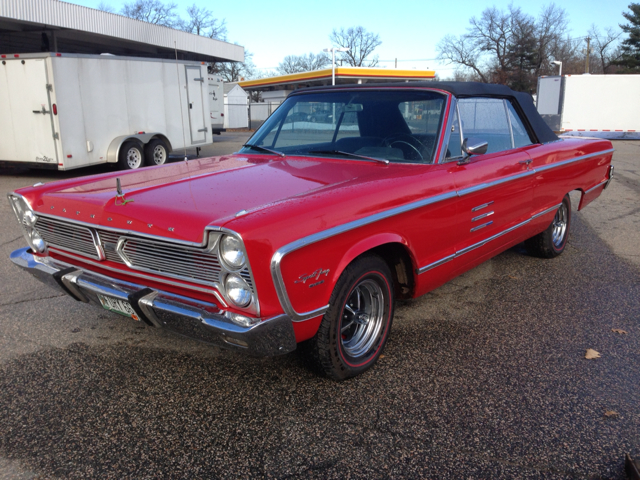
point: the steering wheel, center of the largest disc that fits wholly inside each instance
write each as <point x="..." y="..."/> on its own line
<point x="407" y="143"/>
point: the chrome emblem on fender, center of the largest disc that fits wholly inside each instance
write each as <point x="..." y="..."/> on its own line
<point x="313" y="276"/>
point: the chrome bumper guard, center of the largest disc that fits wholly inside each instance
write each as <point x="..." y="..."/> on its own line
<point x="191" y="318"/>
<point x="610" y="177"/>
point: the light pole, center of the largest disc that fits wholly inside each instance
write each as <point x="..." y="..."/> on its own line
<point x="556" y="62"/>
<point x="333" y="51"/>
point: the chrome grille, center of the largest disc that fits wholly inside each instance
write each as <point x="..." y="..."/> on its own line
<point x="67" y="236"/>
<point x="174" y="260"/>
<point x="109" y="241"/>
<point x="247" y="277"/>
<point x="193" y="264"/>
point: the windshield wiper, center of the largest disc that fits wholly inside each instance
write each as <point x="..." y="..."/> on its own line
<point x="349" y="154"/>
<point x="263" y="149"/>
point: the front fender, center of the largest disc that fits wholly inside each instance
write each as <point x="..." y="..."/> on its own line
<point x="305" y="274"/>
<point x="364" y="245"/>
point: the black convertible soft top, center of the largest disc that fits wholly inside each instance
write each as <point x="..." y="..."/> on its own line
<point x="540" y="129"/>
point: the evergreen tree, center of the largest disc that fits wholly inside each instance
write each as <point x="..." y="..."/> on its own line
<point x="630" y="59"/>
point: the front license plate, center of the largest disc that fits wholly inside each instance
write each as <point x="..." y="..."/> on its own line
<point x="116" y="305"/>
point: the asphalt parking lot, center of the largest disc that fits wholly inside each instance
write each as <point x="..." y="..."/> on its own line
<point x="485" y="377"/>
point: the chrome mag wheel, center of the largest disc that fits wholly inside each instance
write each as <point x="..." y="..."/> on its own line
<point x="362" y="318"/>
<point x="559" y="226"/>
<point x="355" y="327"/>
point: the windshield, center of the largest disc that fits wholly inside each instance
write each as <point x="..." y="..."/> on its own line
<point x="398" y="126"/>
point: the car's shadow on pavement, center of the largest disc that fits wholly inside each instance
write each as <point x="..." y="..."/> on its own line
<point x="482" y="378"/>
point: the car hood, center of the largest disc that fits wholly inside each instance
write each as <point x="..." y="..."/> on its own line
<point x="181" y="199"/>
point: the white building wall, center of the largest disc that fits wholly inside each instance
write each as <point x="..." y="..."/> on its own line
<point x="236" y="108"/>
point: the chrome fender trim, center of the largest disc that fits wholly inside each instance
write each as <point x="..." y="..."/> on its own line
<point x="481" y="243"/>
<point x="572" y="160"/>
<point x="278" y="256"/>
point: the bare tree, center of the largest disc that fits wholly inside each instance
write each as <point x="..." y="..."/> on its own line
<point x="202" y="22"/>
<point x="551" y="38"/>
<point x="303" y="63"/>
<point x="569" y="52"/>
<point x="360" y="43"/>
<point x="152" y="11"/>
<point x="507" y="46"/>
<point x="459" y="51"/>
<point x="289" y="65"/>
<point x="106" y="7"/>
<point x="606" y="47"/>
<point x="235" y="71"/>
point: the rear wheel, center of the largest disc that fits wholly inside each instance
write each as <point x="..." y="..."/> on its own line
<point x="552" y="241"/>
<point x="156" y="152"/>
<point x="354" y="330"/>
<point x="131" y="156"/>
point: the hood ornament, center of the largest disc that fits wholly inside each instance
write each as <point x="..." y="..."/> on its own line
<point x="120" y="196"/>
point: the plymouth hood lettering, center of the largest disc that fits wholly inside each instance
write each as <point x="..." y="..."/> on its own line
<point x="180" y="200"/>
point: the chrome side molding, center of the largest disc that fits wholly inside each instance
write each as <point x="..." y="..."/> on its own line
<point x="481" y="243"/>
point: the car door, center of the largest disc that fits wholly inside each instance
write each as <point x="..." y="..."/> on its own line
<point x="494" y="189"/>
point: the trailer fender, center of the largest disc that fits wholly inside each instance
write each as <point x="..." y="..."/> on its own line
<point x="141" y="138"/>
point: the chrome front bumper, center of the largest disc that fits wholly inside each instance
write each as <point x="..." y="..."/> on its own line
<point x="182" y="315"/>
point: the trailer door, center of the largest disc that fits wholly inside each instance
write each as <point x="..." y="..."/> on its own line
<point x="196" y="100"/>
<point x="27" y="127"/>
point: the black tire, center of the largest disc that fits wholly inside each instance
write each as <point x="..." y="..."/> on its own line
<point x="354" y="330"/>
<point x="553" y="240"/>
<point x="156" y="152"/>
<point x="131" y="156"/>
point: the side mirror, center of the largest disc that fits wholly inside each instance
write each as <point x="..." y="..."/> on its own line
<point x="473" y="146"/>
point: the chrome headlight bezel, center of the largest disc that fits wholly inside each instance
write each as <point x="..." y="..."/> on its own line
<point x="231" y="242"/>
<point x="232" y="254"/>
<point x="237" y="291"/>
<point x="27" y="220"/>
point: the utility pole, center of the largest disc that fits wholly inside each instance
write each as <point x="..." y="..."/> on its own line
<point x="586" y="62"/>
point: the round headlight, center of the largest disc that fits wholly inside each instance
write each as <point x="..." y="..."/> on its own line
<point x="232" y="252"/>
<point x="29" y="218"/>
<point x="238" y="291"/>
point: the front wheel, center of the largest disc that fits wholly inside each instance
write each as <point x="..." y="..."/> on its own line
<point x="354" y="330"/>
<point x="553" y="240"/>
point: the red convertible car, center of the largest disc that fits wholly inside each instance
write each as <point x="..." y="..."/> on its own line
<point x="314" y="229"/>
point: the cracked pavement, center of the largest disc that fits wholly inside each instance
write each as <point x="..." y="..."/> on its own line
<point x="484" y="377"/>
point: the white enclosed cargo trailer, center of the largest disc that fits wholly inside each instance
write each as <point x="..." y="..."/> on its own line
<point x="68" y="111"/>
<point x="602" y="106"/>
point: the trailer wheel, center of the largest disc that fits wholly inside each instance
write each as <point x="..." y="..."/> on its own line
<point x="156" y="152"/>
<point x="131" y="156"/>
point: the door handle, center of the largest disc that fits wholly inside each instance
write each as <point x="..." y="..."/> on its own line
<point x="525" y="162"/>
<point x="43" y="111"/>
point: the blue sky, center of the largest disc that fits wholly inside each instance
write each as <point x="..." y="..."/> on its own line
<point x="409" y="30"/>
